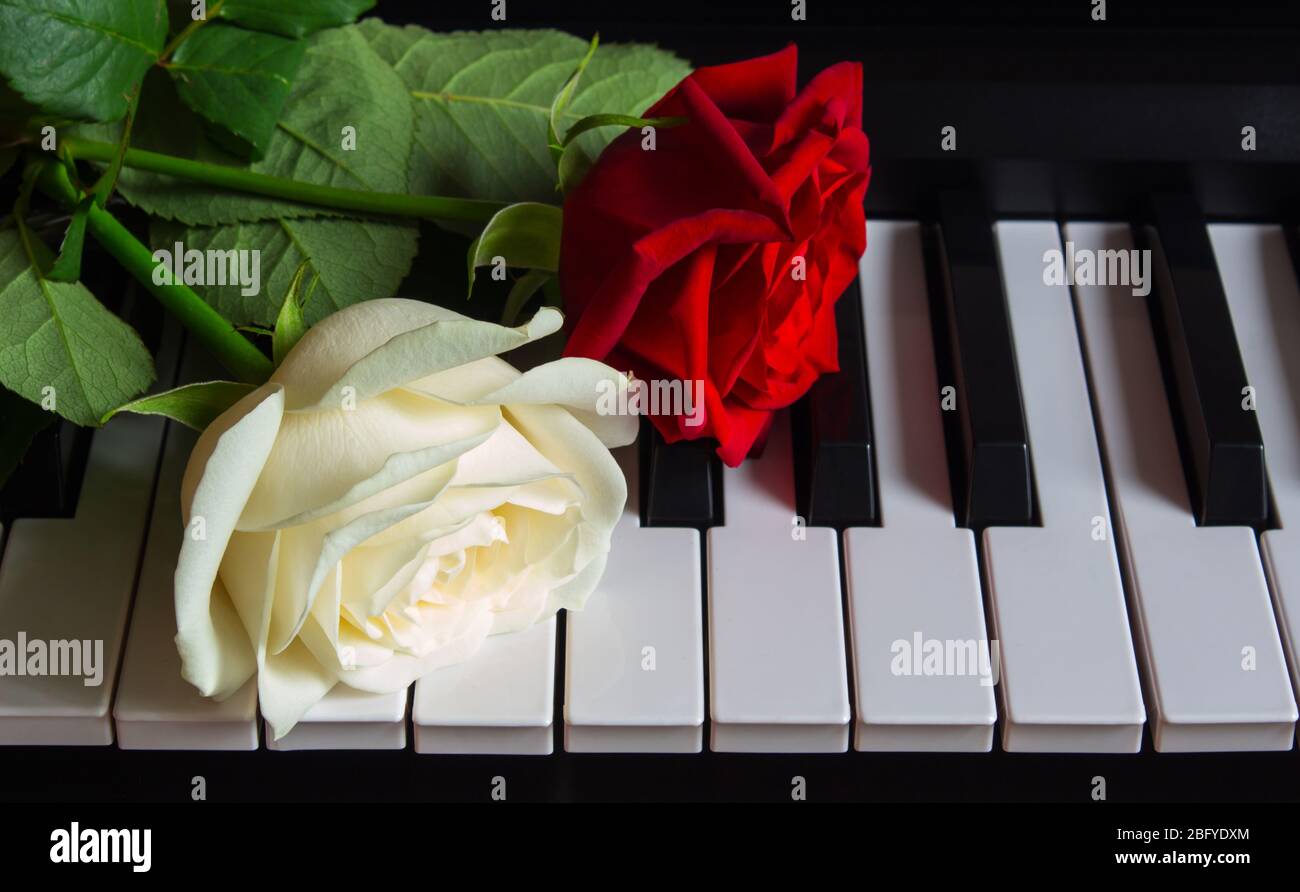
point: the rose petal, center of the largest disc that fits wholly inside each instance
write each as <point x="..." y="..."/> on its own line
<point x="221" y="475"/>
<point x="568" y="444"/>
<point x="415" y="353"/>
<point x="294" y="599"/>
<point x="573" y="595"/>
<point x="616" y="298"/>
<point x="289" y="684"/>
<point x="577" y="384"/>
<point x="400" y="670"/>
<point x="507" y="458"/>
<point x="370" y="585"/>
<point x="248" y="572"/>
<point x="467" y="383"/>
<point x="325" y="463"/>
<point x="755" y="89"/>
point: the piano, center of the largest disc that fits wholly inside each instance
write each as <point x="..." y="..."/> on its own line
<point x="1034" y="532"/>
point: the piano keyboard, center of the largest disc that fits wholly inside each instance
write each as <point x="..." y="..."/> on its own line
<point x="1015" y="480"/>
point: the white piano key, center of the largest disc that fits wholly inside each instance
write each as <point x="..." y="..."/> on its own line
<point x="1198" y="593"/>
<point x="1280" y="551"/>
<point x="498" y="703"/>
<point x="914" y="578"/>
<point x="348" y="719"/>
<point x="634" y="675"/>
<point x="1260" y="282"/>
<point x="72" y="580"/>
<point x="156" y="709"/>
<point x="777" y="674"/>
<point x="1069" y="680"/>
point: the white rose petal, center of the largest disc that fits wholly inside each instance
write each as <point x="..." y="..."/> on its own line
<point x="395" y="494"/>
<point x="436" y="340"/>
<point x="223" y="470"/>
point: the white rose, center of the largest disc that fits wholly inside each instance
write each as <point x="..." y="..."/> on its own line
<point x="392" y="496"/>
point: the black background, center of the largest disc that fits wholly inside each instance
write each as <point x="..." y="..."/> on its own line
<point x="1092" y="67"/>
<point x="1057" y="114"/>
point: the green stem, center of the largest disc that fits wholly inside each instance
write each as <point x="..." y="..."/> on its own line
<point x="427" y="207"/>
<point x="188" y="31"/>
<point x="233" y="350"/>
<point x="107" y="182"/>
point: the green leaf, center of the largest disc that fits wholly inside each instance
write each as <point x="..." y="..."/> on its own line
<point x="290" y="325"/>
<point x="80" y="58"/>
<point x="67" y="268"/>
<point x="573" y="166"/>
<point x="483" y="102"/>
<point x="194" y="405"/>
<point x="342" y="83"/>
<point x="525" y="235"/>
<point x="237" y="79"/>
<point x="293" y="18"/>
<point x="524" y="288"/>
<point x="355" y="260"/>
<point x="560" y="104"/>
<point x="59" y="342"/>
<point x="20" y="421"/>
<point x="16" y="113"/>
<point x="103" y="189"/>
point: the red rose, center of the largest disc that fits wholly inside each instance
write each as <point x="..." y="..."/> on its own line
<point x="683" y="263"/>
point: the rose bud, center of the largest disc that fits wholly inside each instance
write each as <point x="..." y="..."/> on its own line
<point x="393" y="495"/>
<point x="716" y="250"/>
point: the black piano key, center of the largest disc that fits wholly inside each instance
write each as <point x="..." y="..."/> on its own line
<point x="1223" y="449"/>
<point x="1293" y="247"/>
<point x="835" y="475"/>
<point x="47" y="479"/>
<point x="987" y="434"/>
<point x="681" y="483"/>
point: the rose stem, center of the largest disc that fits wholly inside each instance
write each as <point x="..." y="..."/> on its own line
<point x="232" y="349"/>
<point x="428" y="207"/>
